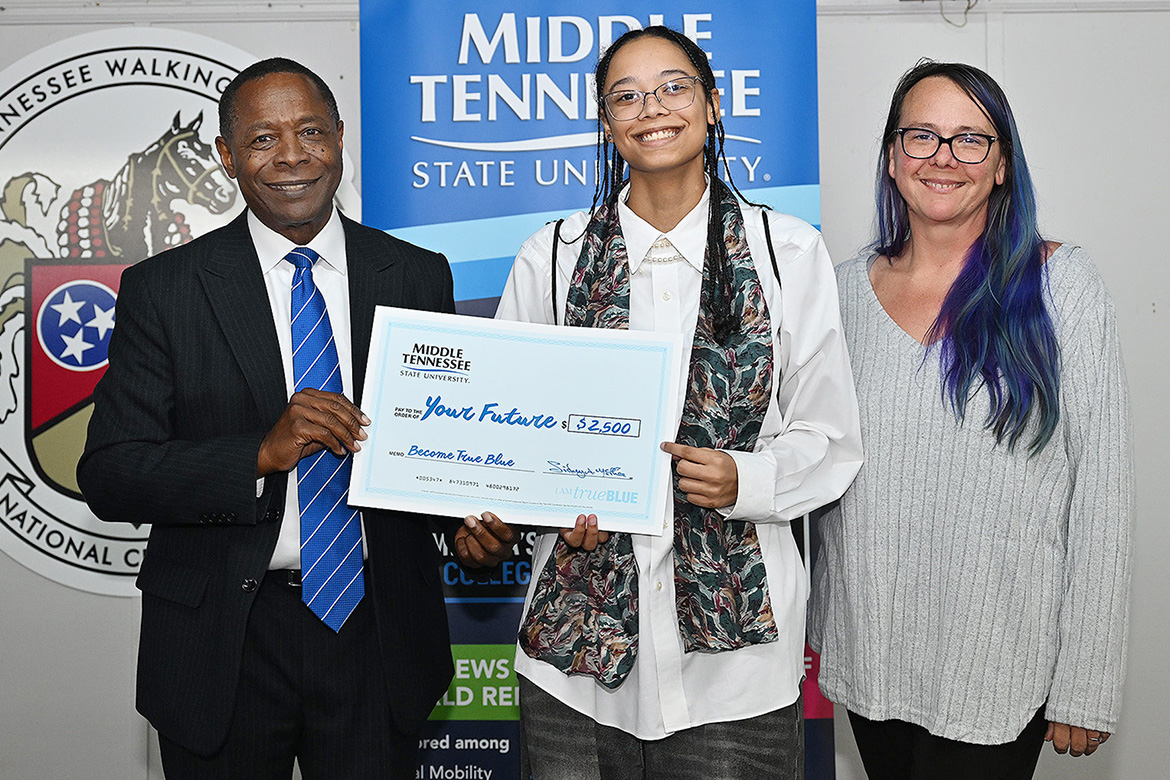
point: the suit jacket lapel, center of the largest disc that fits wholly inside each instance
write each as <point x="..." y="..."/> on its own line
<point x="375" y="279"/>
<point x="235" y="288"/>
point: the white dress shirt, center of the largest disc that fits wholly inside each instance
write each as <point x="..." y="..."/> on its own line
<point x="808" y="451"/>
<point x="329" y="275"/>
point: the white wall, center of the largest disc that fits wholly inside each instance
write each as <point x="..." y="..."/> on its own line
<point x="1073" y="75"/>
<point x="1089" y="89"/>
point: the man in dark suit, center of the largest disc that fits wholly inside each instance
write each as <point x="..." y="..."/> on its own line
<point x="195" y="433"/>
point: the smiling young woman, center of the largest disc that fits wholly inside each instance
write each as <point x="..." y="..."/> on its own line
<point x="682" y="655"/>
<point x="970" y="596"/>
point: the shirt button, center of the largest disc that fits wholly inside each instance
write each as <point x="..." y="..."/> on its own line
<point x="658" y="586"/>
<point x="666" y="296"/>
<point x="249" y="585"/>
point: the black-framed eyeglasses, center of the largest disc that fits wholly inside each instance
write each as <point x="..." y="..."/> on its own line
<point x="922" y="144"/>
<point x="674" y="95"/>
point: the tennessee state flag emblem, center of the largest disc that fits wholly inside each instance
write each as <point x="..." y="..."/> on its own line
<point x="71" y="314"/>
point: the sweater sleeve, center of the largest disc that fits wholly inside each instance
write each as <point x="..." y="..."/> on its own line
<point x="1087" y="680"/>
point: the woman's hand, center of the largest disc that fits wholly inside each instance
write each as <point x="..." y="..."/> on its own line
<point x="708" y="477"/>
<point x="483" y="542"/>
<point x="1074" y="739"/>
<point x="585" y="533"/>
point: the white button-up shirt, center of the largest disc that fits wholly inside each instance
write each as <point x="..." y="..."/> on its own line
<point x="329" y="276"/>
<point x="808" y="451"/>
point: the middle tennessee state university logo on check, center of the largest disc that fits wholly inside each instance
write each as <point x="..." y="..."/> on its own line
<point x="74" y="325"/>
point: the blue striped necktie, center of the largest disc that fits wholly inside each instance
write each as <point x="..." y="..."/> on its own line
<point x="331" y="534"/>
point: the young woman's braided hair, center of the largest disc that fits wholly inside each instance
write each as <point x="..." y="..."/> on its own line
<point x="611" y="172"/>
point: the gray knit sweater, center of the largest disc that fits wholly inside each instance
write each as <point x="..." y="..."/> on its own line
<point x="961" y="586"/>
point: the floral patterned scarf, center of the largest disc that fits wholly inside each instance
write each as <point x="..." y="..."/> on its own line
<point x="584" y="613"/>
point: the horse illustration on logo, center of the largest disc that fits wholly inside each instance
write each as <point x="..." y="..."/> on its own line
<point x="128" y="216"/>
<point x="68" y="253"/>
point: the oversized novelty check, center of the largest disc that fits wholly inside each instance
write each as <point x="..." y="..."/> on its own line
<point x="536" y="423"/>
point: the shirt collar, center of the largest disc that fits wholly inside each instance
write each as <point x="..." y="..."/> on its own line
<point x="689" y="236"/>
<point x="271" y="247"/>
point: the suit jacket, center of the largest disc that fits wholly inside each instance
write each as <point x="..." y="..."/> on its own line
<point x="195" y="381"/>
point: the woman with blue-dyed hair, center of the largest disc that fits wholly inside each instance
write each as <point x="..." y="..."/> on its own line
<point x="970" y="600"/>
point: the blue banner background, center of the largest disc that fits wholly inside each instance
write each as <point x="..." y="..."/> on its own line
<point x="438" y="76"/>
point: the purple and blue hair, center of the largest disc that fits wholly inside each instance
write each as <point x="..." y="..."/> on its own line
<point x="994" y="329"/>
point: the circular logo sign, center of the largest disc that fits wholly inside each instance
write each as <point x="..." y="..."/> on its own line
<point x="107" y="157"/>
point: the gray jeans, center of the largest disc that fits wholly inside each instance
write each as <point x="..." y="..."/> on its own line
<point x="559" y="743"/>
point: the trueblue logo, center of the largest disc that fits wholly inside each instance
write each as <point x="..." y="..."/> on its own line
<point x="75" y="323"/>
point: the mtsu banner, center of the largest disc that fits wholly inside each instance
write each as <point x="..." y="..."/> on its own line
<point x="479" y="120"/>
<point x="479" y="125"/>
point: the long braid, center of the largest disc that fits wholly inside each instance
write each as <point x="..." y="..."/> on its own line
<point x="618" y="178"/>
<point x="717" y="277"/>
<point x="610" y="165"/>
<point x="602" y="162"/>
